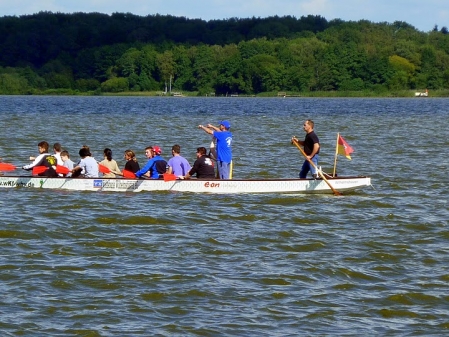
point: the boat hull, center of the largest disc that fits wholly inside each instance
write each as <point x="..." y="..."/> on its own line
<point x="231" y="186"/>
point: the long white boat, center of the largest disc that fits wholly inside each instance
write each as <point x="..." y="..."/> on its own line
<point x="231" y="186"/>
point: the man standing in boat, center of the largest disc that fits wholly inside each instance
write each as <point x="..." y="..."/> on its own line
<point x="311" y="148"/>
<point x="224" y="150"/>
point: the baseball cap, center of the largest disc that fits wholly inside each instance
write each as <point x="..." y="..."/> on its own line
<point x="226" y="124"/>
<point x="157" y="149"/>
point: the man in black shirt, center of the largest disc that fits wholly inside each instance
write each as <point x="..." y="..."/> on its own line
<point x="203" y="166"/>
<point x="312" y="149"/>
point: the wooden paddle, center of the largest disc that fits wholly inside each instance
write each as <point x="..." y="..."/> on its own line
<point x="7" y="167"/>
<point x="319" y="171"/>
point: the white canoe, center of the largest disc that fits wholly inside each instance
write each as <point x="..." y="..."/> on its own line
<point x="233" y="186"/>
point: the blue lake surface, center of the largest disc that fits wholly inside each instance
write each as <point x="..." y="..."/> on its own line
<point x="371" y="262"/>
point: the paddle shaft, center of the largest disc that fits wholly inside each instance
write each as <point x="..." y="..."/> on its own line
<point x="313" y="164"/>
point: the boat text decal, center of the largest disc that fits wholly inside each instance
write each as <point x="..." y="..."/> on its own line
<point x="114" y="184"/>
<point x="12" y="183"/>
<point x="212" y="185"/>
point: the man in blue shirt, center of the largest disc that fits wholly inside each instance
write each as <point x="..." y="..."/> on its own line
<point x="224" y="150"/>
<point x="156" y="164"/>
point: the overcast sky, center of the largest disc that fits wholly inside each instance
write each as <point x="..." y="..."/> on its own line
<point x="422" y="14"/>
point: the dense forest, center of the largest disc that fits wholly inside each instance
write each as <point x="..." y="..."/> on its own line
<point x="97" y="53"/>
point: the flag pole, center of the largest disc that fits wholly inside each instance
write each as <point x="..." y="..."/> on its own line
<point x="336" y="154"/>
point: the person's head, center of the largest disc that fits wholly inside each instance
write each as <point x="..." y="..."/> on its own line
<point x="225" y="125"/>
<point x="157" y="150"/>
<point x="107" y="154"/>
<point x="149" y="152"/>
<point x="129" y="154"/>
<point x="175" y="149"/>
<point x="308" y="126"/>
<point x="57" y="147"/>
<point x="84" y="152"/>
<point x="65" y="155"/>
<point x="43" y="147"/>
<point x="201" y="151"/>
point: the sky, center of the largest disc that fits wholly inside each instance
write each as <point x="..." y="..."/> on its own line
<point x="422" y="14"/>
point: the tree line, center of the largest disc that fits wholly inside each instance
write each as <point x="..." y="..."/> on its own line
<point x="96" y="53"/>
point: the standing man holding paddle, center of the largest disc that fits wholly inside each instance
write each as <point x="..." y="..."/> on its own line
<point x="224" y="151"/>
<point x="311" y="146"/>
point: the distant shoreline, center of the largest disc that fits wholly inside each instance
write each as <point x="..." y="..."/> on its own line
<point x="280" y="95"/>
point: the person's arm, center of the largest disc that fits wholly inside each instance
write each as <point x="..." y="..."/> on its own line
<point x="192" y="171"/>
<point x="315" y="149"/>
<point x="36" y="161"/>
<point x="116" y="169"/>
<point x="80" y="167"/>
<point x="215" y="128"/>
<point x="206" y="129"/>
<point x="145" y="169"/>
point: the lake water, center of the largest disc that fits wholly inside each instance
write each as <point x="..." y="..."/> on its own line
<point x="371" y="262"/>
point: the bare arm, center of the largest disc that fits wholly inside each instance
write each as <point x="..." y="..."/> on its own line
<point x="316" y="147"/>
<point x="215" y="128"/>
<point x="206" y="129"/>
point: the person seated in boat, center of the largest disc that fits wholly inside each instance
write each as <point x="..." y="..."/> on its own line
<point x="57" y="148"/>
<point x="110" y="163"/>
<point x="203" y="166"/>
<point x="87" y="167"/>
<point x="44" y="159"/>
<point x="131" y="164"/>
<point x="156" y="165"/>
<point x="177" y="164"/>
<point x="66" y="162"/>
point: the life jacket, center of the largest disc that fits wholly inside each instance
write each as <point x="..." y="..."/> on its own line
<point x="48" y="161"/>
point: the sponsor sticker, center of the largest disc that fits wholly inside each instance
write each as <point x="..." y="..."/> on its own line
<point x="98" y="183"/>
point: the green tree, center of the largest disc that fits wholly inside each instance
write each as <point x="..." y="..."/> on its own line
<point x="85" y="85"/>
<point x="12" y="84"/>
<point x="166" y="65"/>
<point x="404" y="72"/>
<point x="230" y="72"/>
<point x="183" y="58"/>
<point x="116" y="84"/>
<point x="265" y="73"/>
<point x="204" y="71"/>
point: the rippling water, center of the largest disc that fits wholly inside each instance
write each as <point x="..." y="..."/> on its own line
<point x="372" y="262"/>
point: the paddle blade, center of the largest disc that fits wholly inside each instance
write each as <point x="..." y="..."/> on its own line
<point x="128" y="174"/>
<point x="7" y="167"/>
<point x="39" y="169"/>
<point x="62" y="169"/>
<point x="103" y="169"/>
<point x="169" y="177"/>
